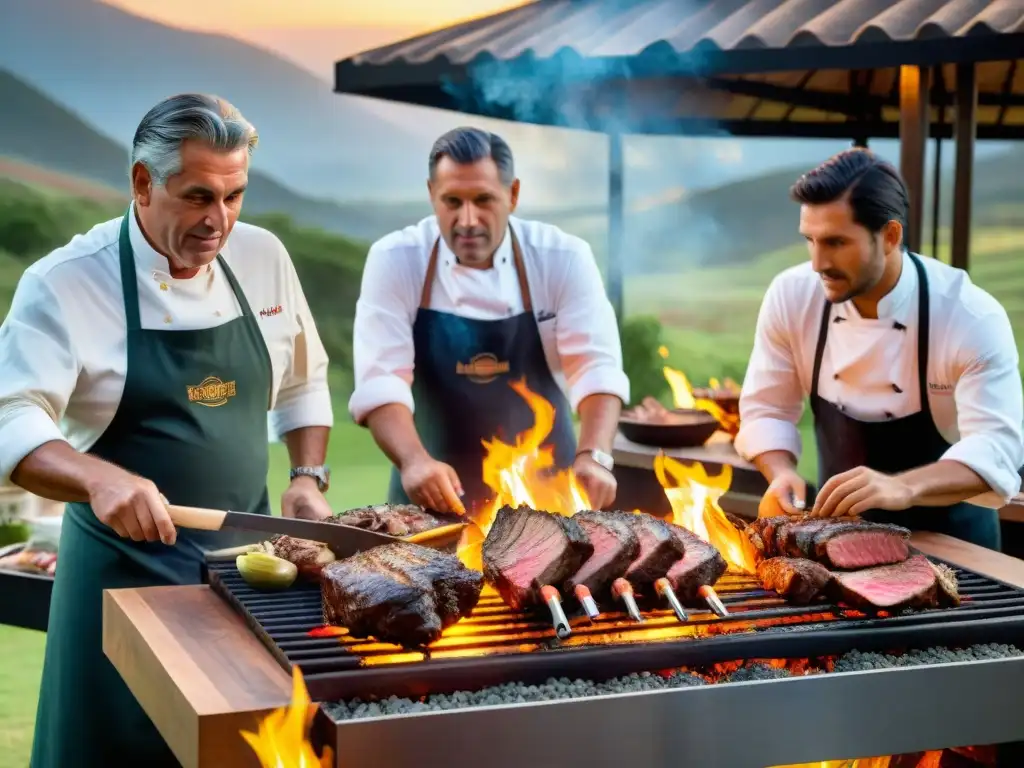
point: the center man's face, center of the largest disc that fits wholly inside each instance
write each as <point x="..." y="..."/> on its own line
<point x="849" y="259"/>
<point x="472" y="207"/>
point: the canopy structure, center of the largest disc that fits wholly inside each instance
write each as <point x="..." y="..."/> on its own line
<point x="857" y="69"/>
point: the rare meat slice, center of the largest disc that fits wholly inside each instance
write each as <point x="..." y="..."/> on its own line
<point x="392" y="519"/>
<point x="843" y="542"/>
<point x="796" y="579"/>
<point x="701" y="565"/>
<point x="309" y="557"/>
<point x="616" y="545"/>
<point x="914" y="583"/>
<point x="659" y="549"/>
<point x="399" y="593"/>
<point x="526" y="550"/>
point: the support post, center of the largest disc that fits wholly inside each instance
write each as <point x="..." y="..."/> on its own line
<point x="914" y="118"/>
<point x="964" y="130"/>
<point x="616" y="223"/>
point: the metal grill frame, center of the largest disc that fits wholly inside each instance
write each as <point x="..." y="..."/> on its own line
<point x="993" y="613"/>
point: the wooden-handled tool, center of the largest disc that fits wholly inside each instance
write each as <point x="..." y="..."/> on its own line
<point x="343" y="540"/>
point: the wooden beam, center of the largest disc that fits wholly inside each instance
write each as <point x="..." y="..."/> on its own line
<point x="965" y="129"/>
<point x="913" y="140"/>
<point x="616" y="222"/>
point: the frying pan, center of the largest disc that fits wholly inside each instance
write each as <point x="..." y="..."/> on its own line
<point x="684" y="429"/>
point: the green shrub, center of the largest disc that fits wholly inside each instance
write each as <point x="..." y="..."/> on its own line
<point x="641" y="359"/>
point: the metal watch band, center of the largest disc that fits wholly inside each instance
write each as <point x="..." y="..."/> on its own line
<point x="322" y="475"/>
<point x="602" y="458"/>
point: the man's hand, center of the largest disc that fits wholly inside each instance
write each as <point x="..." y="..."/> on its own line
<point x="599" y="484"/>
<point x="131" y="505"/>
<point x="434" y="485"/>
<point x="786" y="495"/>
<point x="861" y="490"/>
<point x="304" y="500"/>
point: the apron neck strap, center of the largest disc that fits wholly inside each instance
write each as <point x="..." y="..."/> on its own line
<point x="923" y="323"/>
<point x="130" y="286"/>
<point x="517" y="258"/>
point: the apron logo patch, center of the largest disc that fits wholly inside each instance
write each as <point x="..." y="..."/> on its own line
<point x="482" y="369"/>
<point x="942" y="389"/>
<point x="212" y="392"/>
<point x="271" y="311"/>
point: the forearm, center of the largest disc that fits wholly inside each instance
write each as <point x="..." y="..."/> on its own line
<point x="599" y="419"/>
<point x="773" y="463"/>
<point x="394" y="431"/>
<point x="942" y="484"/>
<point x="57" y="471"/>
<point x="307" y="446"/>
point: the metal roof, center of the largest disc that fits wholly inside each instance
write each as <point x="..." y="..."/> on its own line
<point x="704" y="66"/>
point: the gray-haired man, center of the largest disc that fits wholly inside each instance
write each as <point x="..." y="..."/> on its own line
<point x="160" y="348"/>
<point x="478" y="299"/>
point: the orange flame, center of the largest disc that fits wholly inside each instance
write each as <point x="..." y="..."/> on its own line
<point x="683" y="397"/>
<point x="283" y="737"/>
<point x="694" y="498"/>
<point x="523" y="473"/>
<point x="927" y="760"/>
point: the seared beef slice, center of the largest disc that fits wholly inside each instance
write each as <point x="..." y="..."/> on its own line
<point x="913" y="583"/>
<point x="399" y="593"/>
<point x="701" y="565"/>
<point x="526" y="550"/>
<point x="659" y="549"/>
<point x="615" y="547"/>
<point x="846" y="542"/>
<point x="795" y="578"/>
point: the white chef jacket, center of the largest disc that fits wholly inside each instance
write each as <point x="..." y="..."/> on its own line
<point x="576" y="321"/>
<point x="974" y="383"/>
<point x="62" y="345"/>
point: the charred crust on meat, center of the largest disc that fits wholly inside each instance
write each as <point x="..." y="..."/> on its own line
<point x="798" y="580"/>
<point x="392" y="519"/>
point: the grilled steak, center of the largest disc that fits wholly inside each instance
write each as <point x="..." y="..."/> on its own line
<point x="701" y="565"/>
<point x="845" y="542"/>
<point x="399" y="593"/>
<point x="526" y="550"/>
<point x="659" y="549"/>
<point x="914" y="583"/>
<point x="795" y="578"/>
<point x="949" y="589"/>
<point x="616" y="545"/>
<point x="392" y="519"/>
<point x="309" y="557"/>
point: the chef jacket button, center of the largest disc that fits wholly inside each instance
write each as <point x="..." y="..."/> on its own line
<point x="888" y="415"/>
<point x="835" y="376"/>
<point x="896" y="389"/>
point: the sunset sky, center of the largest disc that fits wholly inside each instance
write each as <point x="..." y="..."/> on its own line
<point x="230" y="15"/>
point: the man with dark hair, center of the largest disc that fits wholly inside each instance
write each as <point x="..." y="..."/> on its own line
<point x="475" y="299"/>
<point x="911" y="369"/>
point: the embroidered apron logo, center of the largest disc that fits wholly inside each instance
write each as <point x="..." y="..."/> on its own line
<point x="482" y="369"/>
<point x="212" y="392"/>
<point x="271" y="311"/>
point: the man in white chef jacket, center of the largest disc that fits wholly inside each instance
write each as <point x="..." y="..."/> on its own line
<point x="911" y="369"/>
<point x="159" y="347"/>
<point x="456" y="308"/>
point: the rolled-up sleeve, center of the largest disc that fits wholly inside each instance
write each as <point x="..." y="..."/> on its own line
<point x="40" y="370"/>
<point x="382" y="344"/>
<point x="990" y="411"/>
<point x="772" y="399"/>
<point x="304" y="397"/>
<point x="587" y="333"/>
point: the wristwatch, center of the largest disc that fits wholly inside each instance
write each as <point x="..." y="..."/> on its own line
<point x="600" y="457"/>
<point x="322" y="475"/>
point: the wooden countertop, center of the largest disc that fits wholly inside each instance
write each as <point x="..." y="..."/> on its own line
<point x="718" y="449"/>
<point x="203" y="676"/>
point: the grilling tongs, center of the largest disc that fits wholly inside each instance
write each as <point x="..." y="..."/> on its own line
<point x="342" y="540"/>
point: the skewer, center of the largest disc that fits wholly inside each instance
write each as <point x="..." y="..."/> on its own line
<point x="554" y="601"/>
<point x="713" y="600"/>
<point x="664" y="588"/>
<point x="623" y="590"/>
<point x="587" y="601"/>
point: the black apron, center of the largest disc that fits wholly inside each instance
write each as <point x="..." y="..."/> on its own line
<point x="461" y="386"/>
<point x="896" y="445"/>
<point x="192" y="419"/>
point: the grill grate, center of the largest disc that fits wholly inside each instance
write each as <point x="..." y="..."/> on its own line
<point x="499" y="645"/>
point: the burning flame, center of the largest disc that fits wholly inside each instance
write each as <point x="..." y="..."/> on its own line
<point x="523" y="473"/>
<point x="694" y="498"/>
<point x="682" y="396"/>
<point x="927" y="760"/>
<point x="283" y="737"/>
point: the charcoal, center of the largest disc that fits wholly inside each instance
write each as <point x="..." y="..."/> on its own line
<point x="659" y="549"/>
<point x="796" y="579"/>
<point x="399" y="593"/>
<point x="526" y="550"/>
<point x="392" y="519"/>
<point x="910" y="584"/>
<point x="616" y="545"/>
<point x="701" y="565"/>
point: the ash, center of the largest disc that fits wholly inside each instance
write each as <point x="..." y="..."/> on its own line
<point x="564" y="688"/>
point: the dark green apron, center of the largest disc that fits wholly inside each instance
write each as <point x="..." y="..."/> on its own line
<point x="192" y="419"/>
